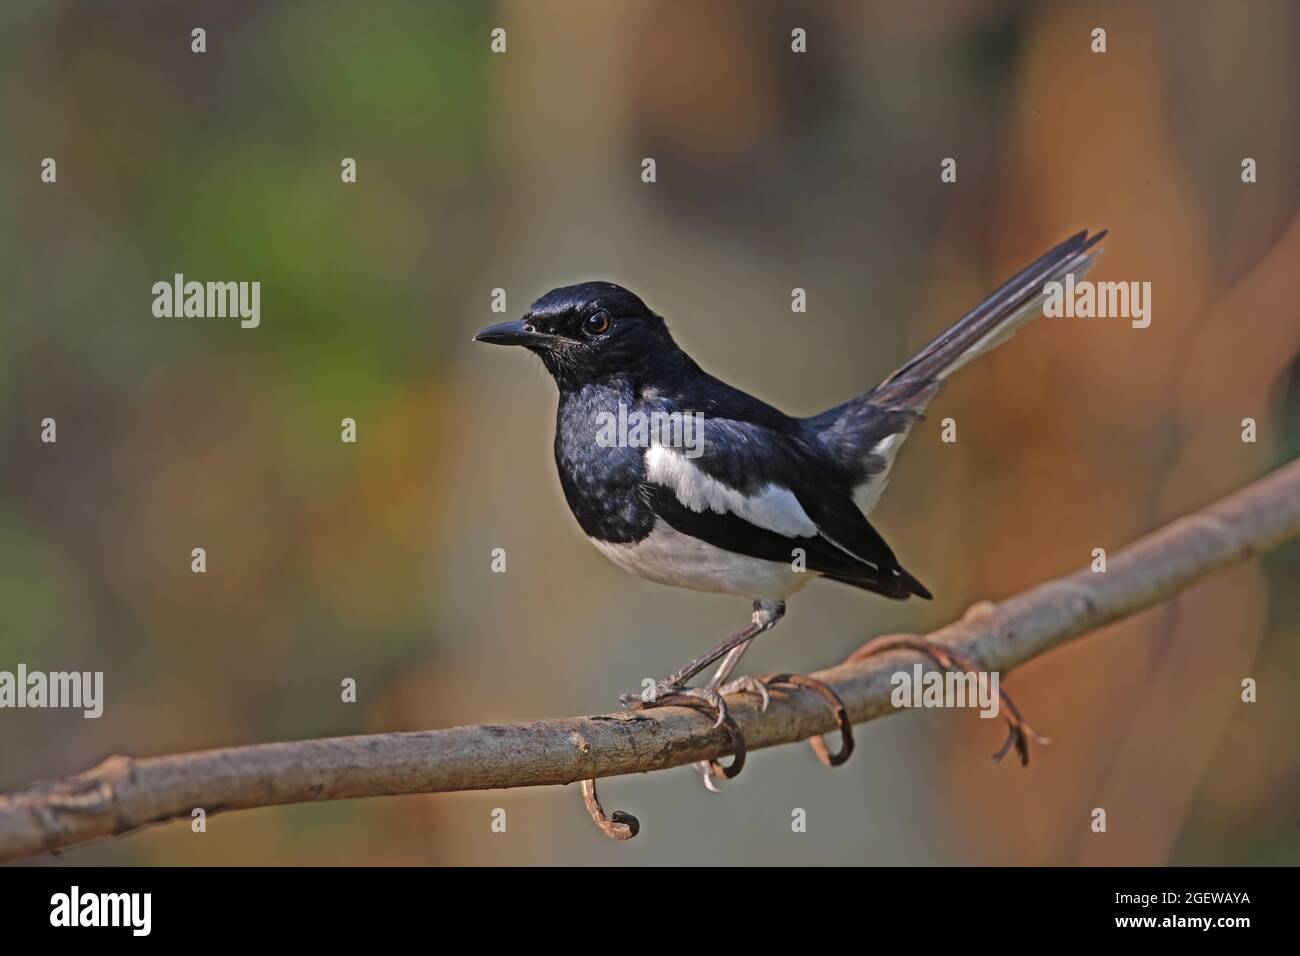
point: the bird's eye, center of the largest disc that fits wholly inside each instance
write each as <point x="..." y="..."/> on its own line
<point x="596" y="324"/>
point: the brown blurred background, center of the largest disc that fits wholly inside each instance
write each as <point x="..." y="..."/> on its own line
<point x="522" y="171"/>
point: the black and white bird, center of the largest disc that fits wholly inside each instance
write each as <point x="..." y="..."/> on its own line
<point x="766" y="502"/>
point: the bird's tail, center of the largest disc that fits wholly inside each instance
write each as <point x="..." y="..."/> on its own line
<point x="989" y="324"/>
<point x="864" y="433"/>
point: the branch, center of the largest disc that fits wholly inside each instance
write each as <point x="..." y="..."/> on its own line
<point x="123" y="794"/>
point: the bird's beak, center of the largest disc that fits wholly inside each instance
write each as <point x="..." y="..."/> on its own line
<point x="517" y="332"/>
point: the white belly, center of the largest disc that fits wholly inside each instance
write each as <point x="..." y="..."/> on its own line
<point x="670" y="557"/>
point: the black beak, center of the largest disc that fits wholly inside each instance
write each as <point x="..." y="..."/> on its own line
<point x="517" y="332"/>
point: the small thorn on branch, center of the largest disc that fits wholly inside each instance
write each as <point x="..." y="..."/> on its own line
<point x="824" y="691"/>
<point x="619" y="825"/>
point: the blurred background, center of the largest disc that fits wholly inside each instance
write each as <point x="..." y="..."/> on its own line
<point x="521" y="171"/>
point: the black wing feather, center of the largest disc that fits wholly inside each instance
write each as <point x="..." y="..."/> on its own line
<point x="749" y="459"/>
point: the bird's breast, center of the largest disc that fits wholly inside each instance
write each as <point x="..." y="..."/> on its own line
<point x="599" y="473"/>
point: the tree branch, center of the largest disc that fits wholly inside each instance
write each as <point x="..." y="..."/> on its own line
<point x="124" y="794"/>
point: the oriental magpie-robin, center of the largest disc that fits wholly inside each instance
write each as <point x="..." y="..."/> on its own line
<point x="766" y="501"/>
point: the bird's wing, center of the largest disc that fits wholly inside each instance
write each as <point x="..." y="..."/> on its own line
<point x="755" y="492"/>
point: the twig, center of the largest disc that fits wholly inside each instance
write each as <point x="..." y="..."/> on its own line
<point x="123" y="794"/>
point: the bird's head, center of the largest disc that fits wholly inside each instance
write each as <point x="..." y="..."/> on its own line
<point x="588" y="333"/>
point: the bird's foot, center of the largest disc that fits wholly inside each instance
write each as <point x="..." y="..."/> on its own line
<point x="668" y="693"/>
<point x="1019" y="734"/>
<point x="708" y="700"/>
<point x="761" y="687"/>
<point x="710" y="770"/>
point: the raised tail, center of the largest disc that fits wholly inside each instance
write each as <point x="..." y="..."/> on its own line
<point x="864" y="433"/>
<point x="993" y="321"/>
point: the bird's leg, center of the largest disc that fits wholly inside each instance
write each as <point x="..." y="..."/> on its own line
<point x="765" y="616"/>
<point x="672" y="690"/>
<point x="741" y="684"/>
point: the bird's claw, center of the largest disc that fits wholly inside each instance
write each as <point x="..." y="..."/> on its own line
<point x="705" y="769"/>
<point x="759" y="686"/>
<point x="711" y="700"/>
<point x="710" y="770"/>
<point x="668" y="694"/>
<point x="707" y="700"/>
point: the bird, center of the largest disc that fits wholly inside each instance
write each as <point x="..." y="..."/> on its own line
<point x="759" y="503"/>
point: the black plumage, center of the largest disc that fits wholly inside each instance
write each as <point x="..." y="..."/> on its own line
<point x="764" y="485"/>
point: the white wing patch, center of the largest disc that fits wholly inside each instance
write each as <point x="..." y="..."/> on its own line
<point x="867" y="494"/>
<point x="775" y="508"/>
